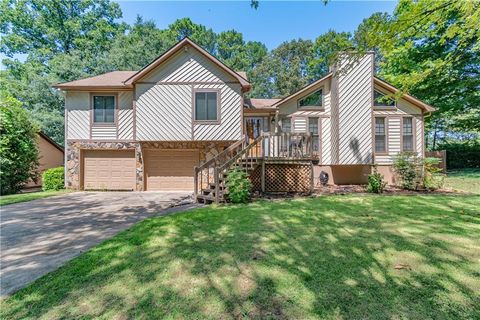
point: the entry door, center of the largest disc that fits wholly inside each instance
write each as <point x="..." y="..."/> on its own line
<point x="254" y="126"/>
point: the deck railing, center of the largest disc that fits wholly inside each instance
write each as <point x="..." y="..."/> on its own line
<point x="287" y="146"/>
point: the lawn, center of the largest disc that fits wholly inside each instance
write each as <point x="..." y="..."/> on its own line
<point x="331" y="257"/>
<point x="467" y="180"/>
<point x="22" y="197"/>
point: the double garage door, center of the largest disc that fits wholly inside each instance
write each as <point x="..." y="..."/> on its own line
<point x="165" y="170"/>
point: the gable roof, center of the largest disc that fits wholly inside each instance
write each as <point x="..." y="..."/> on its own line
<point x="109" y="80"/>
<point x="254" y="103"/>
<point x="56" y="145"/>
<point x="170" y="52"/>
<point x="301" y="91"/>
<point x="387" y="86"/>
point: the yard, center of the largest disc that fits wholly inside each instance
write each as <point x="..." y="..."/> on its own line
<point x="28" y="196"/>
<point x="328" y="257"/>
<point x="467" y="180"/>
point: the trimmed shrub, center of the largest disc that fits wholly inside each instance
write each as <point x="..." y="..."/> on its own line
<point x="433" y="178"/>
<point x="53" y="179"/>
<point x="18" y="146"/>
<point x="376" y="184"/>
<point x="408" y="167"/>
<point x="462" y="154"/>
<point x="239" y="186"/>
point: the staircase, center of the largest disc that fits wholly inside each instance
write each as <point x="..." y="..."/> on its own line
<point x="210" y="177"/>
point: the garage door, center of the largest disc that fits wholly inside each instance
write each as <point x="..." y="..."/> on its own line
<point x="109" y="170"/>
<point x="170" y="170"/>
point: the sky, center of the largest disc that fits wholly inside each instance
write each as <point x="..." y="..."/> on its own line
<point x="272" y="23"/>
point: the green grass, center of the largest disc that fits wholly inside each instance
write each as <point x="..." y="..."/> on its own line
<point x="332" y="257"/>
<point x="467" y="180"/>
<point x="22" y="197"/>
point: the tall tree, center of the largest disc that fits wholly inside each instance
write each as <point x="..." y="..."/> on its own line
<point x="63" y="40"/>
<point x="184" y="27"/>
<point x="284" y="70"/>
<point x="326" y="49"/>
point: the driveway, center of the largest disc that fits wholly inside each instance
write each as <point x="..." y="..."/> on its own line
<point x="39" y="236"/>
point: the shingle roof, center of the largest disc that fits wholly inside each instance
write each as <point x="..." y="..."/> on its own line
<point x="114" y="79"/>
<point x="260" y="103"/>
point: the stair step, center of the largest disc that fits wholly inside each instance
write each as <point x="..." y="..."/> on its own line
<point x="208" y="198"/>
<point x="211" y="192"/>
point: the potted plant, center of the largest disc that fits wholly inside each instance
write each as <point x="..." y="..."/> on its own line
<point x="315" y="159"/>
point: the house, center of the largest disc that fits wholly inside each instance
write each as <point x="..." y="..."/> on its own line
<point x="51" y="155"/>
<point x="149" y="129"/>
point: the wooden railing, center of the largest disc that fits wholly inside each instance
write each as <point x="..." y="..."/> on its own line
<point x="288" y="146"/>
<point x="268" y="146"/>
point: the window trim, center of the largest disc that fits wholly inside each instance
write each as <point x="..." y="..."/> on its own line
<point x="383" y="107"/>
<point x="115" y="110"/>
<point x="317" y="108"/>
<point x="385" y="152"/>
<point x="414" y="145"/>
<point x="218" y="91"/>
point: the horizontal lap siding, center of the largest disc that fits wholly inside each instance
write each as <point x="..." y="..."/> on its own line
<point x="100" y="132"/>
<point x="300" y="125"/>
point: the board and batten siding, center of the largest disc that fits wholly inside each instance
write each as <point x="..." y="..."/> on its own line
<point x="354" y="118"/>
<point x="164" y="101"/>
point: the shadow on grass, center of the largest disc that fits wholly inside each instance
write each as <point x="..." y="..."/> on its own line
<point x="330" y="257"/>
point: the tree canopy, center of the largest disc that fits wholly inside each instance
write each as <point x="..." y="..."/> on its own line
<point x="427" y="48"/>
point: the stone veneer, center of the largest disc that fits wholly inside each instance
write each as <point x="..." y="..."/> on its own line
<point x="207" y="149"/>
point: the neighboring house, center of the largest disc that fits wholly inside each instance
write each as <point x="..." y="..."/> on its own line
<point x="148" y="129"/>
<point x="51" y="155"/>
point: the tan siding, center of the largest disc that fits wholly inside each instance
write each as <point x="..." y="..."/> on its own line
<point x="125" y="116"/>
<point x="326" y="141"/>
<point x="300" y="124"/>
<point x="188" y="66"/>
<point x="230" y="127"/>
<point x="77" y="105"/>
<point x="164" y="112"/>
<point x="419" y="134"/>
<point x="107" y="132"/>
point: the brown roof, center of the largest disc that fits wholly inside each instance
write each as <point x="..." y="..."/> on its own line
<point x="109" y="80"/>
<point x="186" y="41"/>
<point x="260" y="103"/>
<point x="242" y="74"/>
<point x="409" y="98"/>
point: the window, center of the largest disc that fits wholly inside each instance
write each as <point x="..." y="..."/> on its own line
<point x="380" y="136"/>
<point x="104" y="109"/>
<point x="313" y="130"/>
<point x="381" y="100"/>
<point x="407" y="134"/>
<point x="286" y="125"/>
<point x="206" y="106"/>
<point x="312" y="100"/>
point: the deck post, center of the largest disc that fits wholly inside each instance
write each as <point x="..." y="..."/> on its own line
<point x="217" y="188"/>
<point x="263" y="176"/>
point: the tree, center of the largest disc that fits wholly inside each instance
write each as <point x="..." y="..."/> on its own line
<point x="431" y="50"/>
<point x="63" y="40"/>
<point x="18" y="146"/>
<point x="284" y="70"/>
<point x="326" y="49"/>
<point x="184" y="27"/>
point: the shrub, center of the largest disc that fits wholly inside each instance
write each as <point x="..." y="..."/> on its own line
<point x="239" y="186"/>
<point x="18" y="146"/>
<point x="53" y="179"/>
<point x="376" y="184"/>
<point x="408" y="167"/>
<point x="462" y="154"/>
<point x="433" y="178"/>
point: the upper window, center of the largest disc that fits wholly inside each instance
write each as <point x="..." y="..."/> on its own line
<point x="380" y="136"/>
<point x="312" y="100"/>
<point x="381" y="100"/>
<point x="407" y="134"/>
<point x="206" y="106"/>
<point x="104" y="109"/>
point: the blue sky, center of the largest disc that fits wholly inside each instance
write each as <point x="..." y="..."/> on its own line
<point x="272" y="23"/>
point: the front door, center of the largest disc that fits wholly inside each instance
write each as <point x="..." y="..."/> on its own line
<point x="254" y="126"/>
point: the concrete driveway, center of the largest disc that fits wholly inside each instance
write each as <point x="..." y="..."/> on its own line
<point x="39" y="236"/>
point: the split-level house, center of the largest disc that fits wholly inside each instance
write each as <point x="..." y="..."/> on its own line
<point x="183" y="121"/>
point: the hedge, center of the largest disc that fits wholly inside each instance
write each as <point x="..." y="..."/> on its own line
<point x="53" y="179"/>
<point x="462" y="154"/>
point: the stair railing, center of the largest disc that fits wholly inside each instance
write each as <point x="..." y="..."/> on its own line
<point x="205" y="174"/>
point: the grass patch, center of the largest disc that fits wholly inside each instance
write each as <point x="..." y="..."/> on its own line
<point x="380" y="257"/>
<point x="22" y="197"/>
<point x="467" y="180"/>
